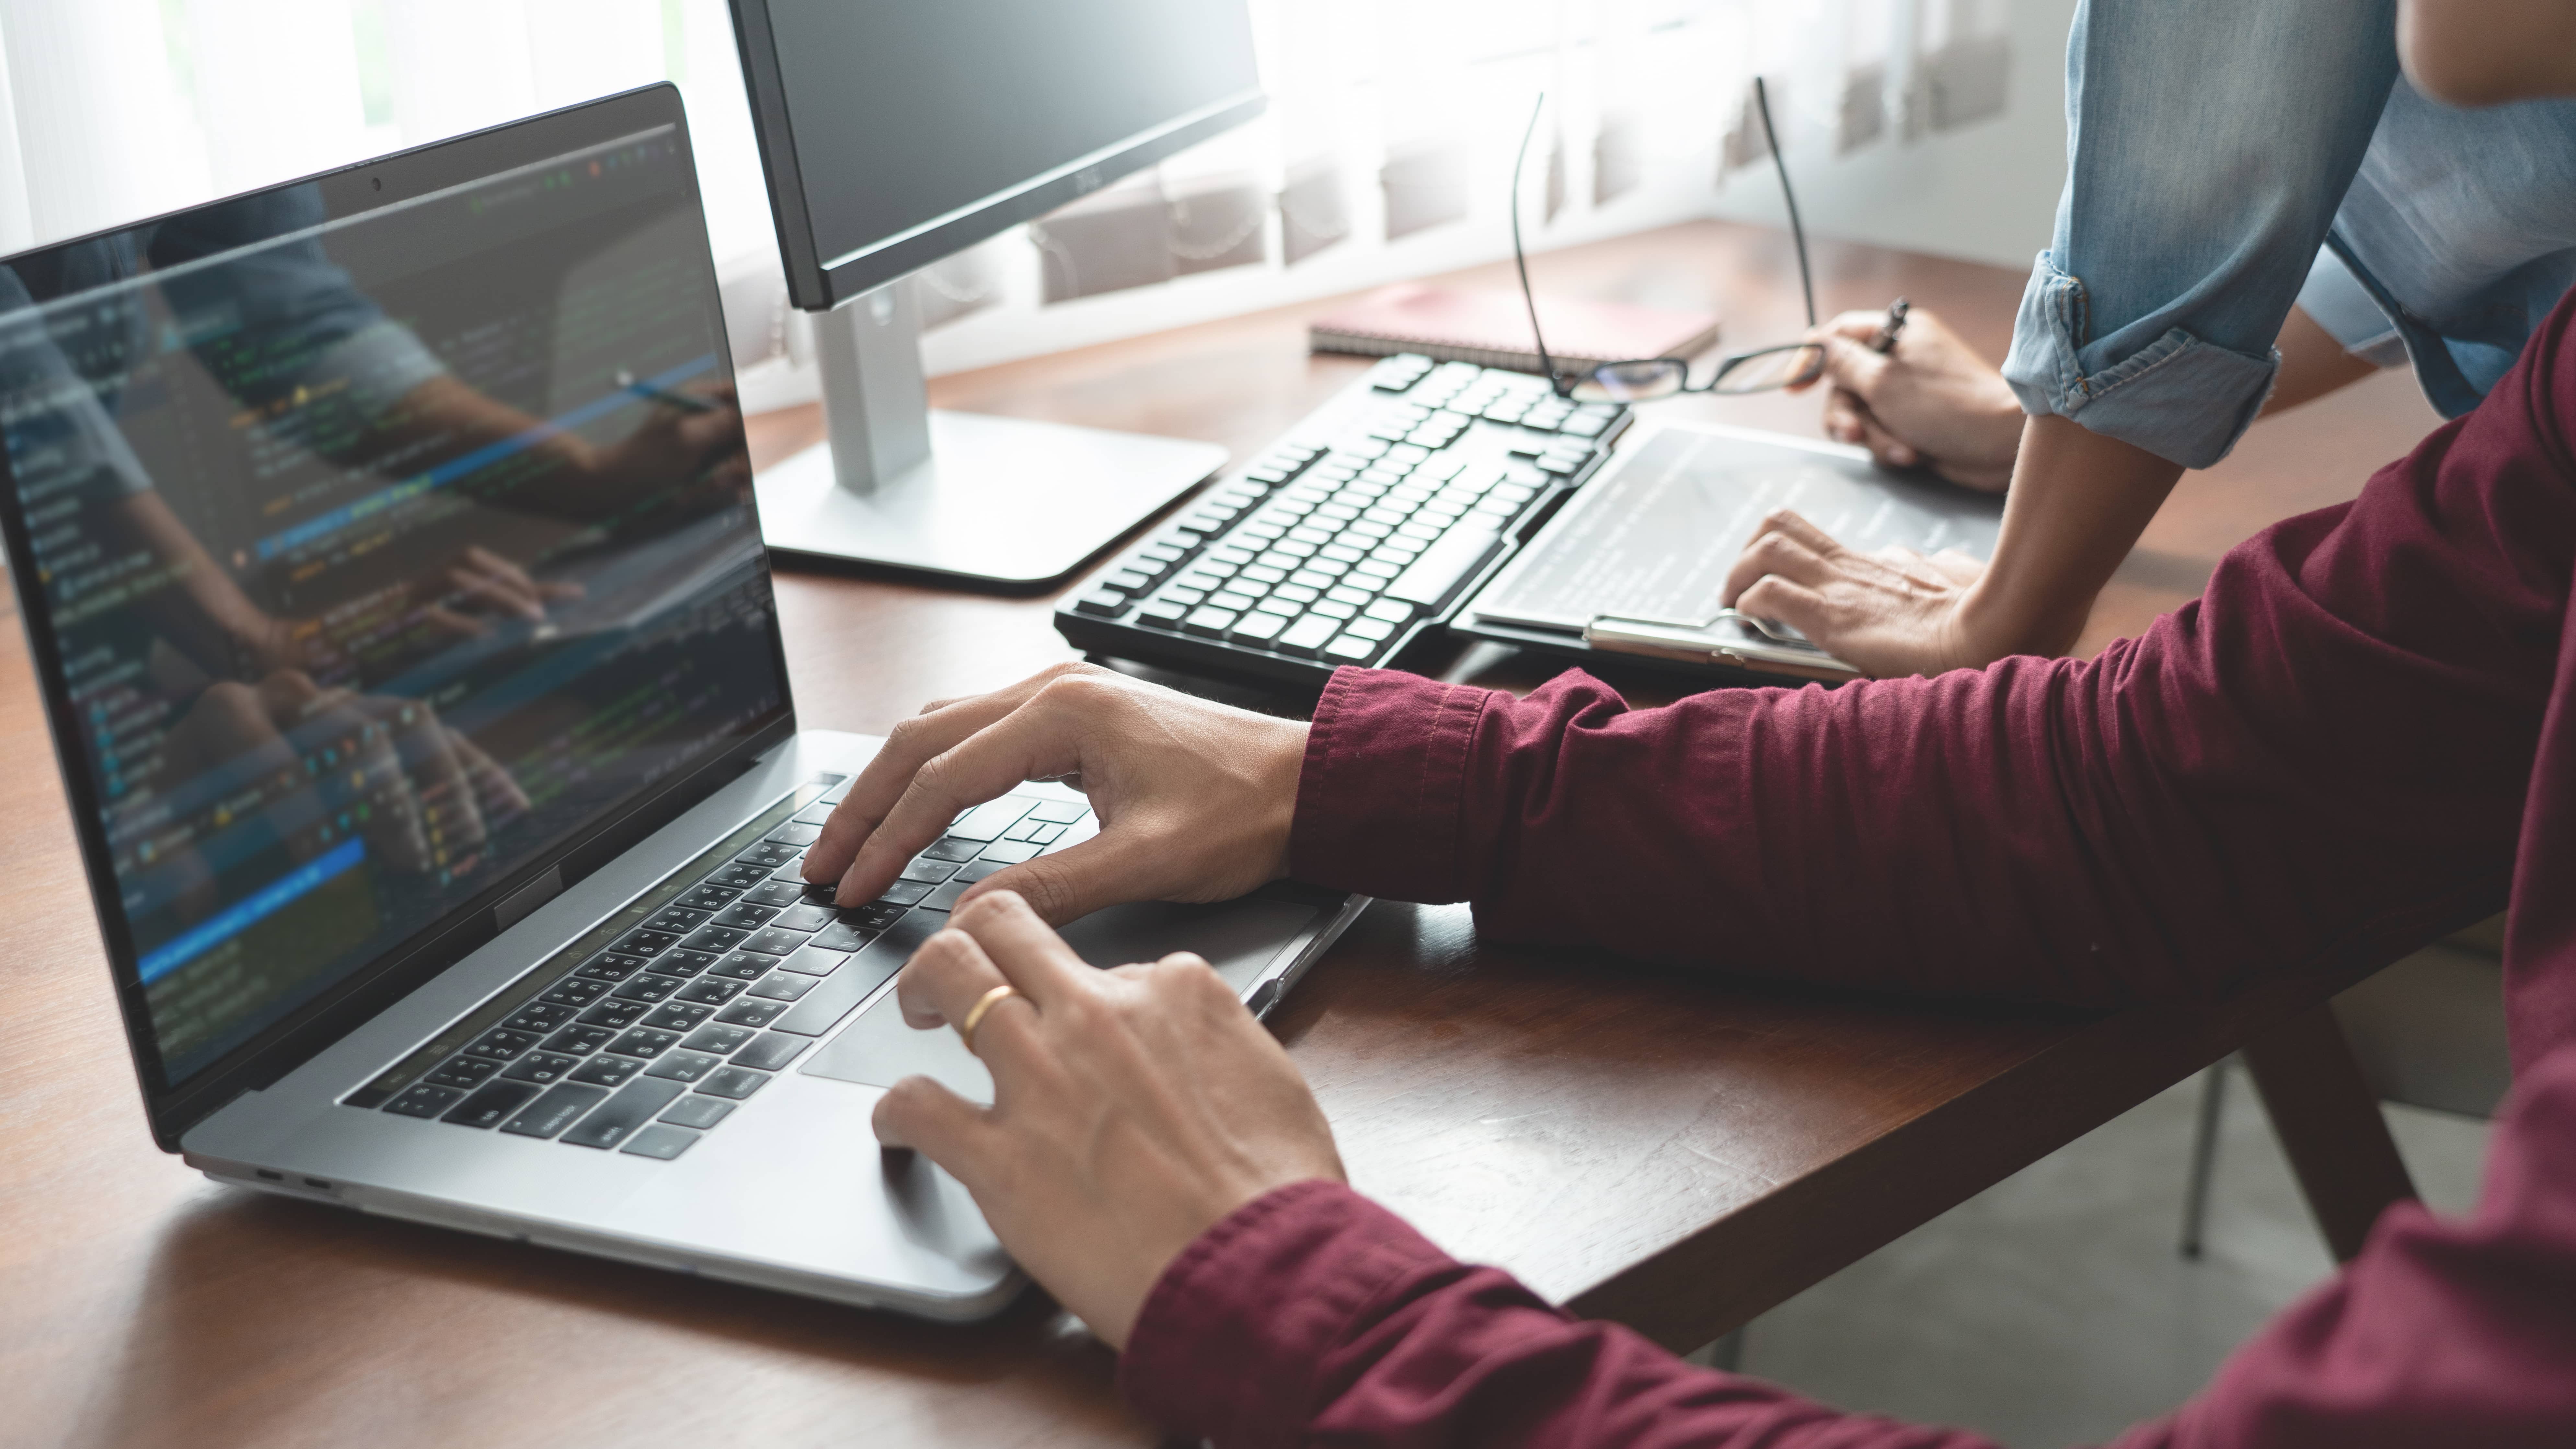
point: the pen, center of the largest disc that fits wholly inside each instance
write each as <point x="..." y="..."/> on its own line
<point x="1885" y="341"/>
<point x="680" y="400"/>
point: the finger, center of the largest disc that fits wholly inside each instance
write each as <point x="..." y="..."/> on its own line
<point x="946" y="976"/>
<point x="1034" y="742"/>
<point x="911" y="744"/>
<point x="1862" y="325"/>
<point x="448" y="621"/>
<point x="937" y="1123"/>
<point x="516" y="596"/>
<point x="1779" y="553"/>
<point x="1887" y="449"/>
<point x="1855" y="366"/>
<point x="1841" y="416"/>
<point x="1793" y="604"/>
<point x="1022" y="946"/>
<point x="1065" y="885"/>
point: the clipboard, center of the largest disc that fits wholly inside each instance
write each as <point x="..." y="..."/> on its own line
<point x="1633" y="565"/>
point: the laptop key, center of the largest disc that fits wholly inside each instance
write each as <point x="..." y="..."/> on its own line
<point x="465" y="1073"/>
<point x="610" y="968"/>
<point x="708" y="897"/>
<point x="649" y="988"/>
<point x="606" y="1071"/>
<point x="500" y="1043"/>
<point x="745" y="916"/>
<point x="556" y="1110"/>
<point x="734" y="1082"/>
<point x="715" y="940"/>
<point x="491" y="1104"/>
<point x="684" y="1066"/>
<point x="775" y="894"/>
<point x="643" y="941"/>
<point x="775" y="941"/>
<point x="716" y="1039"/>
<point x="770" y="853"/>
<point x="676" y="920"/>
<point x="795" y="833"/>
<point x="739" y="877"/>
<point x="538" y="1016"/>
<point x="742" y="966"/>
<point x="615" y="1015"/>
<point x="822" y="1008"/>
<point x="954" y="848"/>
<point x="806" y="917"/>
<point x="842" y="936"/>
<point x="783" y="986"/>
<point x="710" y="992"/>
<point x="945" y="898"/>
<point x="751" y="1011"/>
<point x="427" y="1100"/>
<point x="684" y="963"/>
<point x="661" y="1142"/>
<point x="679" y="1015"/>
<point x="574" y="992"/>
<point x="613" y="1121"/>
<point x="1059" y="812"/>
<point x="644" y="1041"/>
<point x="772" y="1051"/>
<point x="812" y="961"/>
<point x="542" y="1068"/>
<point x="696" y="1111"/>
<point x="815" y="814"/>
<point x="580" y="1041"/>
<point x="988" y="820"/>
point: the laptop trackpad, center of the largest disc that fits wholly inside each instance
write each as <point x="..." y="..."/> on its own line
<point x="1238" y="938"/>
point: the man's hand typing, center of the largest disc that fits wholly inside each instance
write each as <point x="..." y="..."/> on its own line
<point x="1194" y="799"/>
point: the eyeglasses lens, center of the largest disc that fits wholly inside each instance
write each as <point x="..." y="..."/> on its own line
<point x="1775" y="367"/>
<point x="1638" y="381"/>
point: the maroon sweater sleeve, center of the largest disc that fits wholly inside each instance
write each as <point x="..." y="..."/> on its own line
<point x="1312" y="1316"/>
<point x="2322" y="761"/>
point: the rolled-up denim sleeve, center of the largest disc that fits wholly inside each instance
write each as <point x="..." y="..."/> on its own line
<point x="2209" y="143"/>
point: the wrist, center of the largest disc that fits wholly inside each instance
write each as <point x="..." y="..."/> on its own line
<point x="1995" y="621"/>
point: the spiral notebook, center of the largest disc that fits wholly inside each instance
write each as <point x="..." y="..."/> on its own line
<point x="1637" y="561"/>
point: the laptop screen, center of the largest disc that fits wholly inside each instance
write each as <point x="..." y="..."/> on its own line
<point x="377" y="553"/>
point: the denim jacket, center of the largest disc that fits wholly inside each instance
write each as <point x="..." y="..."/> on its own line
<point x="2214" y="148"/>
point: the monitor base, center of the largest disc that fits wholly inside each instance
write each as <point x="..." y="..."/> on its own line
<point x="1001" y="503"/>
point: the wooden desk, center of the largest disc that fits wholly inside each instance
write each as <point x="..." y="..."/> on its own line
<point x="1677" y="1153"/>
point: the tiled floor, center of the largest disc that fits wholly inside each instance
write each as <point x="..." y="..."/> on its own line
<point x="2053" y="1309"/>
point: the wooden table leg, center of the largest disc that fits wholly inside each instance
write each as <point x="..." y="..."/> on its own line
<point x="2329" y="1123"/>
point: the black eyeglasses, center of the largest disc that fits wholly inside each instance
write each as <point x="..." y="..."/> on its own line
<point x="1644" y="379"/>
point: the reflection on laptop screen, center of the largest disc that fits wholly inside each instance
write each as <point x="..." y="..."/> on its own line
<point x="377" y="554"/>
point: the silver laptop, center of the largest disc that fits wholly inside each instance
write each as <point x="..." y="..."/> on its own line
<point x="399" y="607"/>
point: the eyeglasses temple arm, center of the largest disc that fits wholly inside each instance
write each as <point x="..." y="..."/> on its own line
<point x="1520" y="258"/>
<point x="1797" y="233"/>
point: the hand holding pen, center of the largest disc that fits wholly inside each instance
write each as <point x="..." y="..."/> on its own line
<point x="1933" y="404"/>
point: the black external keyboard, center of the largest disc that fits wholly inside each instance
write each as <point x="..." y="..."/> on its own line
<point x="1357" y="533"/>
<point x="683" y="1005"/>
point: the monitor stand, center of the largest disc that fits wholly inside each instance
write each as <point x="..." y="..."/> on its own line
<point x="992" y="502"/>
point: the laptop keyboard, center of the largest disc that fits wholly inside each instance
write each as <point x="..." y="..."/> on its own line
<point x="652" y="1040"/>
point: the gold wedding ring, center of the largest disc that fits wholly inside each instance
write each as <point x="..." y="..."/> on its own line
<point x="975" y="1017"/>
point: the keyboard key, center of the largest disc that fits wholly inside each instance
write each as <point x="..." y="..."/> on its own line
<point x="814" y="961"/>
<point x="807" y="917"/>
<point x="768" y="853"/>
<point x="539" y="1016"/>
<point x="607" y="1071"/>
<point x="1437" y="574"/>
<point x="714" y="940"/>
<point x="1010" y="852"/>
<point x="1127" y="581"/>
<point x="1187" y="598"/>
<point x="775" y="942"/>
<point x="843" y="936"/>
<point x="464" y="1073"/>
<point x="777" y="895"/>
<point x="716" y="1039"/>
<point x="492" y="1104"/>
<point x="1349" y="594"/>
<point x="772" y="1051"/>
<point x="740" y="966"/>
<point x="945" y="898"/>
<point x="644" y="1041"/>
<point x="826" y="1004"/>
<point x="660" y="1142"/>
<point x="711" y="991"/>
<point x="610" y="968"/>
<point x="751" y="1011"/>
<point x="1306" y="638"/>
<point x="676" y="920"/>
<point x="927" y="871"/>
<point x="1229" y="600"/>
<point x="571" y="992"/>
<point x="744" y="916"/>
<point x="1257" y="628"/>
<point x="697" y="1111"/>
<point x="1161" y="616"/>
<point x="423" y="1100"/>
<point x="1208" y="623"/>
<point x="786" y="986"/>
<point x="500" y="1044"/>
<point x="733" y="1082"/>
<point x="615" y="1015"/>
<point x="951" y="848"/>
<point x="1060" y="812"/>
<point x="1331" y="609"/>
<point x="679" y="1016"/>
<point x="612" y="1121"/>
<point x="580" y="1041"/>
<point x="1281" y="608"/>
<point x="685" y="1066"/>
<point x="739" y="877"/>
<point x="556" y="1110"/>
<point x="1393" y="611"/>
<point x="1368" y="628"/>
<point x="541" y="1068"/>
<point x="649" y="988"/>
<point x="642" y="942"/>
<point x="684" y="963"/>
<point x="1350" y="649"/>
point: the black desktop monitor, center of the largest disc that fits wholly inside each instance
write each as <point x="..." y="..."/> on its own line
<point x="896" y="132"/>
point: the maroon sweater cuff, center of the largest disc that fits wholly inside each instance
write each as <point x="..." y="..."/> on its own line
<point x="1228" y="1344"/>
<point x="1381" y="799"/>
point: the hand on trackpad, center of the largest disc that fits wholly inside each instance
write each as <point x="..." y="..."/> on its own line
<point x="1239" y="938"/>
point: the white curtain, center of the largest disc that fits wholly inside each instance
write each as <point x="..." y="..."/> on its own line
<point x="1386" y="152"/>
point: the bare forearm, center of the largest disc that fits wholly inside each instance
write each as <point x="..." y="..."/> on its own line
<point x="2077" y="505"/>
